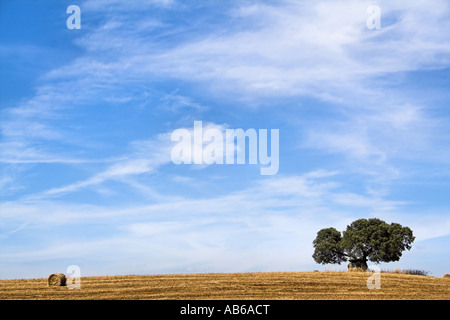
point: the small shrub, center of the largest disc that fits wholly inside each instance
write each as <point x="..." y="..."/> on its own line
<point x="416" y="272"/>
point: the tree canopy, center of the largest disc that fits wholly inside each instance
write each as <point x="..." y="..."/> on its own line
<point x="364" y="239"/>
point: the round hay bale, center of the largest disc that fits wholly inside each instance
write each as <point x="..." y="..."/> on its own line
<point x="57" y="280"/>
<point x="446" y="276"/>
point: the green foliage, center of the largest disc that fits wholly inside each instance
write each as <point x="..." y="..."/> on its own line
<point x="327" y="248"/>
<point x="364" y="239"/>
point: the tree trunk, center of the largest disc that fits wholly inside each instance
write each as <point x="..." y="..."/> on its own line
<point x="357" y="265"/>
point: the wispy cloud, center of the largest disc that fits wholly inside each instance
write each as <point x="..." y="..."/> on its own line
<point x="384" y="138"/>
<point x="300" y="49"/>
<point x="334" y="49"/>
<point x="145" y="157"/>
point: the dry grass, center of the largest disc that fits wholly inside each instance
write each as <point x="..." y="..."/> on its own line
<point x="236" y="286"/>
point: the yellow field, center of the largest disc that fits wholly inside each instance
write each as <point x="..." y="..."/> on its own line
<point x="236" y="286"/>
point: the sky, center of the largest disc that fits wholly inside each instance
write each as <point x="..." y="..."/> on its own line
<point x="87" y="116"/>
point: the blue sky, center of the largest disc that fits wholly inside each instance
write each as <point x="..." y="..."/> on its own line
<point x="87" y="115"/>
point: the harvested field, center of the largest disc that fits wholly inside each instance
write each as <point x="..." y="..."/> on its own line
<point x="236" y="286"/>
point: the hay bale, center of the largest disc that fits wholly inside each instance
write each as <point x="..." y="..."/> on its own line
<point x="57" y="280"/>
<point x="446" y="276"/>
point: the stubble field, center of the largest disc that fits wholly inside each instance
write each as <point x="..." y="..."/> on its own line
<point x="236" y="286"/>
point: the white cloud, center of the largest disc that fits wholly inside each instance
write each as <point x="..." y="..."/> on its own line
<point x="175" y="102"/>
<point x="382" y="139"/>
<point x="145" y="157"/>
<point x="302" y="48"/>
<point x="118" y="5"/>
<point x="321" y="49"/>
